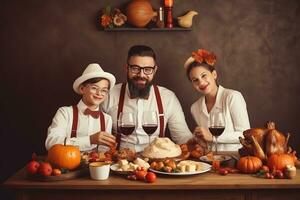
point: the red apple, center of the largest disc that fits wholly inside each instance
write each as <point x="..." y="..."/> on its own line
<point x="140" y="174"/>
<point x="45" y="169"/>
<point x="32" y="167"/>
<point x="150" y="177"/>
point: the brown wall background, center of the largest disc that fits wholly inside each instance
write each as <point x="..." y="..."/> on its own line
<point x="45" y="45"/>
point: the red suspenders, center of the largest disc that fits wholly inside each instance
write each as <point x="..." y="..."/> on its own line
<point x="120" y="109"/>
<point x="160" y="112"/>
<point x="75" y="121"/>
<point x="159" y="106"/>
<point x="102" y="121"/>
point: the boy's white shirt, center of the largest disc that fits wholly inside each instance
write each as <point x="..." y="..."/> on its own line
<point x="61" y="126"/>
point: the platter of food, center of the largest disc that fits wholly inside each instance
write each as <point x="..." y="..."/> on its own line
<point x="186" y="167"/>
<point x="115" y="168"/>
<point x="177" y="159"/>
<point x="161" y="148"/>
<point x="125" y="167"/>
<point x="209" y="159"/>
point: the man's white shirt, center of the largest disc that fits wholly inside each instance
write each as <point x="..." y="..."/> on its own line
<point x="173" y="115"/>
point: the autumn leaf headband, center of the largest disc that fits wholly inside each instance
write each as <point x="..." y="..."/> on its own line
<point x="201" y="56"/>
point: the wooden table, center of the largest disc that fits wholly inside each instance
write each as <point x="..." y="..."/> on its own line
<point x="203" y="186"/>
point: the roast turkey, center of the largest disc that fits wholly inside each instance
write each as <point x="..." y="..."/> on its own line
<point x="261" y="142"/>
<point x="194" y="148"/>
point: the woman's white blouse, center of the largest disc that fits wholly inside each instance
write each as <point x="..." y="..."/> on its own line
<point x="234" y="107"/>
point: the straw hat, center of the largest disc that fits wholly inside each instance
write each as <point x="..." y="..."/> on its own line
<point x="93" y="71"/>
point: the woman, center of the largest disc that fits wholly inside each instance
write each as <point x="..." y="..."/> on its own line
<point x="200" y="70"/>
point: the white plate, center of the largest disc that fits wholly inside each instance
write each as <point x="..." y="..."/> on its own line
<point x="114" y="168"/>
<point x="177" y="158"/>
<point x="206" y="168"/>
<point x="221" y="158"/>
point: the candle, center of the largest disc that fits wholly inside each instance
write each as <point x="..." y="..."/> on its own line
<point x="160" y="14"/>
<point x="216" y="165"/>
<point x="168" y="3"/>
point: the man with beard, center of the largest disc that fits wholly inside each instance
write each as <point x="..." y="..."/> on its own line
<point x="139" y="95"/>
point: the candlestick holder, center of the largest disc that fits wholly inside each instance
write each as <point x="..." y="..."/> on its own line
<point x="169" y="17"/>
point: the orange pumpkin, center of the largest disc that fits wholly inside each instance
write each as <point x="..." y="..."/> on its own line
<point x="64" y="156"/>
<point x="139" y="13"/>
<point x="249" y="164"/>
<point x="280" y="161"/>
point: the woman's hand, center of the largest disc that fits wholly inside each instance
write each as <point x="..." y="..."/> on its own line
<point x="103" y="138"/>
<point x="203" y="133"/>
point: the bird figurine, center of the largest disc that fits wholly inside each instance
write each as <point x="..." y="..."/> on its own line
<point x="186" y="21"/>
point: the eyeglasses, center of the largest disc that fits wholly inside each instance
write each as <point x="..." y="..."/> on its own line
<point x="96" y="90"/>
<point x="135" y="69"/>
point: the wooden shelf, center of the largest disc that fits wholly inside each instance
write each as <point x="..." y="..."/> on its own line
<point x="147" y="29"/>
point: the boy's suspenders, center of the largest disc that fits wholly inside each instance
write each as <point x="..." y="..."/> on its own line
<point x="75" y="121"/>
<point x="159" y="106"/>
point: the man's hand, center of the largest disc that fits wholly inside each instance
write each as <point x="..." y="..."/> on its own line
<point x="103" y="138"/>
<point x="203" y="133"/>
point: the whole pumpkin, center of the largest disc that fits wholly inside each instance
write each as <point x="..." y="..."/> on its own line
<point x="139" y="13"/>
<point x="64" y="156"/>
<point x="249" y="164"/>
<point x="280" y="161"/>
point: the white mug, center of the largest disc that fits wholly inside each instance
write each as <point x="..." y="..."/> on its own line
<point x="99" y="170"/>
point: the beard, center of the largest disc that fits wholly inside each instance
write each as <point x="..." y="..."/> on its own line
<point x="139" y="90"/>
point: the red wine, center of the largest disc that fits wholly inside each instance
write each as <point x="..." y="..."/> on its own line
<point x="216" y="130"/>
<point x="150" y="128"/>
<point x="127" y="129"/>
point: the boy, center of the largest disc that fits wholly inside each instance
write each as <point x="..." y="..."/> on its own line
<point x="84" y="125"/>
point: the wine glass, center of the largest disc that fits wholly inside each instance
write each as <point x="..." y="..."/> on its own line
<point x="126" y="124"/>
<point x="216" y="126"/>
<point x="149" y="122"/>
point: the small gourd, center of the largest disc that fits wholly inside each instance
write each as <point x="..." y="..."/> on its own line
<point x="186" y="21"/>
<point x="280" y="161"/>
<point x="290" y="171"/>
<point x="249" y="164"/>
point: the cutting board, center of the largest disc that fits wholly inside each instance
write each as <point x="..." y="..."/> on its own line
<point x="67" y="176"/>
